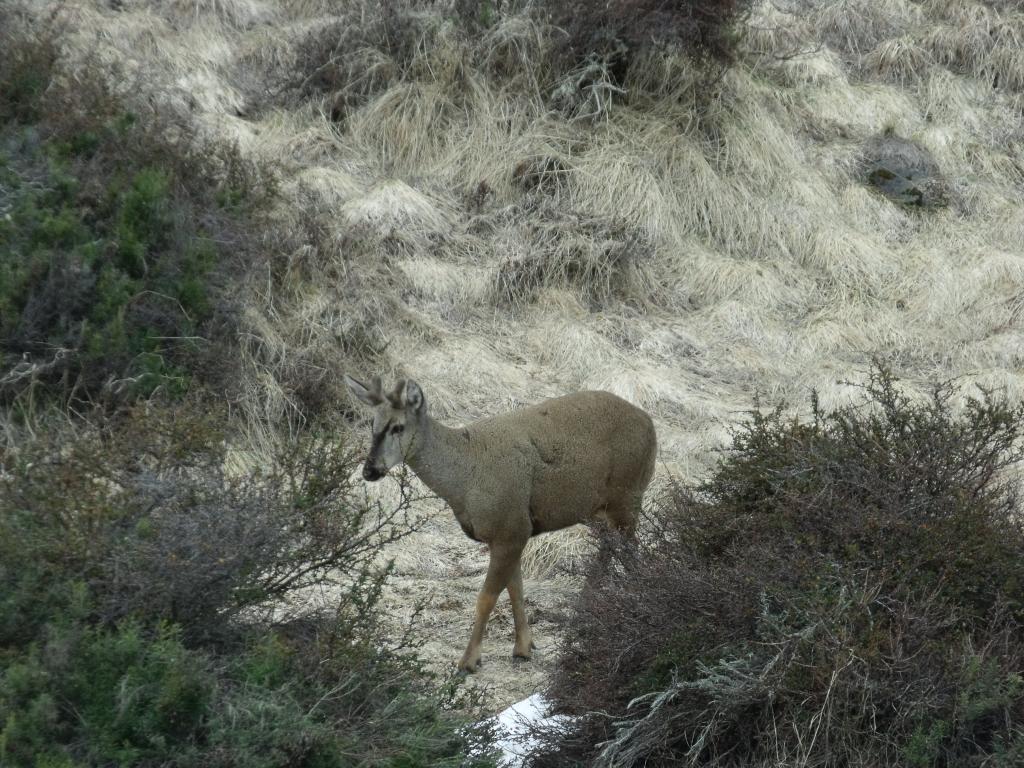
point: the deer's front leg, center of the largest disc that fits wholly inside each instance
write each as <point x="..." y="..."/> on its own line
<point x="504" y="562"/>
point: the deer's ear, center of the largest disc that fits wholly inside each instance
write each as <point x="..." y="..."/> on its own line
<point x="414" y="398"/>
<point x="369" y="395"/>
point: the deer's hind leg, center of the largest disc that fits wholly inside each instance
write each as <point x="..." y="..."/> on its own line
<point x="524" y="636"/>
<point x="504" y="563"/>
<point x="623" y="514"/>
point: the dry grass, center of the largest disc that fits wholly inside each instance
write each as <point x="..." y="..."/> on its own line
<point x="566" y="551"/>
<point x="685" y="260"/>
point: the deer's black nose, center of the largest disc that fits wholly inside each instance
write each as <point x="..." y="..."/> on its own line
<point x="371" y="473"/>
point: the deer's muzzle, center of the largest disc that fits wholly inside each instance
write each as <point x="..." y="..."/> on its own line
<point x="372" y="473"/>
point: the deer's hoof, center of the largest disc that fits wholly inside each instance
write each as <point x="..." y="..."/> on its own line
<point x="520" y="657"/>
<point x="466" y="668"/>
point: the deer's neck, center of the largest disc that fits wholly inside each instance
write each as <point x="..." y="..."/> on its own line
<point x="442" y="460"/>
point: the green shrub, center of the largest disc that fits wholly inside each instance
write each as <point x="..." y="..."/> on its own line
<point x="156" y="609"/>
<point x="842" y="591"/>
<point x="114" y="253"/>
<point x="134" y="695"/>
<point x="148" y="516"/>
<point x="25" y="69"/>
<point x="93" y="291"/>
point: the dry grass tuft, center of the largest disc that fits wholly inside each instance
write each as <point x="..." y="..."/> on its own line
<point x="599" y="259"/>
<point x="238" y="13"/>
<point x="900" y="59"/>
<point x="559" y="552"/>
<point x="407" y="126"/>
<point x="857" y="26"/>
<point x="513" y="50"/>
<point x="390" y="207"/>
<point x="770" y="31"/>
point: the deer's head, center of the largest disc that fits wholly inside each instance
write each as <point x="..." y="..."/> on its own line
<point x="398" y="416"/>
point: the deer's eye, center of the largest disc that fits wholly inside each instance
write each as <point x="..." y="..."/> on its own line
<point x="397" y="429"/>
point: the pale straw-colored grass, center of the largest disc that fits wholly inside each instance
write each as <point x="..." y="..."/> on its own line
<point x="901" y="60"/>
<point x="818" y="67"/>
<point x="857" y="26"/>
<point x="454" y="285"/>
<point x="406" y="127"/>
<point x="299" y="138"/>
<point x="237" y="13"/>
<point x="393" y="205"/>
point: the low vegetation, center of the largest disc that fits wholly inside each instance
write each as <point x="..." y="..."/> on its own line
<point x="844" y="590"/>
<point x="116" y="245"/>
<point x="97" y="297"/>
<point x="156" y="609"/>
<point x="167" y="598"/>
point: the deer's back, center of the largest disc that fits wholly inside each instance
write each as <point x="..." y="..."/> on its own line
<point x="577" y="454"/>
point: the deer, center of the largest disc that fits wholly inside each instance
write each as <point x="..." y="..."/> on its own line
<point x="582" y="458"/>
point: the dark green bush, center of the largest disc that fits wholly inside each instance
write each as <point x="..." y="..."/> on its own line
<point x="843" y="591"/>
<point x="156" y="609"/>
<point x="117" y="242"/>
<point x="95" y="291"/>
<point x="25" y="68"/>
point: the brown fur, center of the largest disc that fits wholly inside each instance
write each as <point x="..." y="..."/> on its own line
<point x="573" y="459"/>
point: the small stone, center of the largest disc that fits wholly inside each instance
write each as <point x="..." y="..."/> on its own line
<point x="904" y="171"/>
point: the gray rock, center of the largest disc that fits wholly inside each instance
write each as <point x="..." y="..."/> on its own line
<point x="904" y="171"/>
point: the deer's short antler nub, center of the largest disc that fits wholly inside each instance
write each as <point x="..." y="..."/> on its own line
<point x="395" y="395"/>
